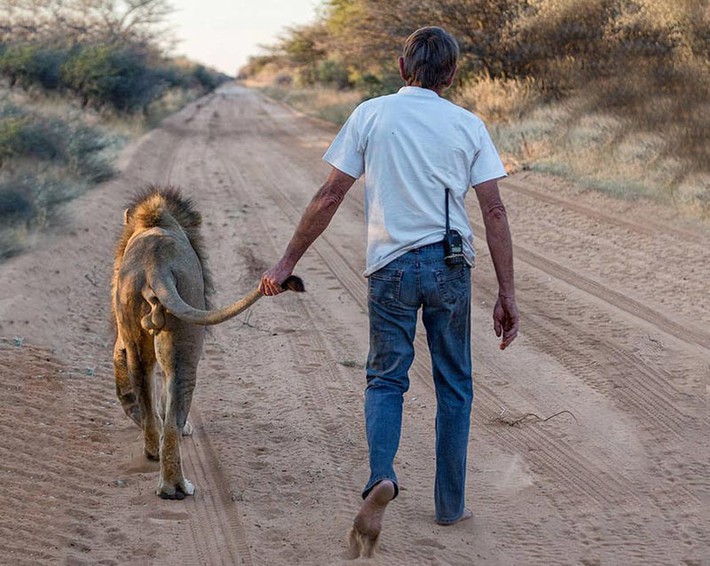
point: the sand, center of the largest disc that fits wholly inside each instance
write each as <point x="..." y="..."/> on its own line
<point x="614" y="300"/>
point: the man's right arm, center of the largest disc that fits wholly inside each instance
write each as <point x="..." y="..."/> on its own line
<point x="314" y="221"/>
<point x="506" y="318"/>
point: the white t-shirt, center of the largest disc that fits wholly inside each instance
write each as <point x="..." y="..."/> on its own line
<point x="412" y="145"/>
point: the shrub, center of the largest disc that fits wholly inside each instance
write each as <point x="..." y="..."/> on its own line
<point x="29" y="140"/>
<point x="332" y="73"/>
<point x="114" y="76"/>
<point x="22" y="135"/>
<point x="86" y="155"/>
<point x="28" y="202"/>
<point x="31" y="63"/>
<point x="206" y="79"/>
<point x="16" y="204"/>
<point x="27" y="135"/>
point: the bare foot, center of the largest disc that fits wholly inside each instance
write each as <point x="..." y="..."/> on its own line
<point x="467" y="514"/>
<point x="365" y="532"/>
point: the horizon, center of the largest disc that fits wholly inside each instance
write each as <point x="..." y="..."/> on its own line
<point x="223" y="35"/>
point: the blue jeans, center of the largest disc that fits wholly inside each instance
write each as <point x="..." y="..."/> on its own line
<point x="420" y="278"/>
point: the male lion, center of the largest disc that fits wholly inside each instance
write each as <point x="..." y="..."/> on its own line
<point x="158" y="294"/>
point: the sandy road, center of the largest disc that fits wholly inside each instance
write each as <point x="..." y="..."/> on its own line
<point x="614" y="300"/>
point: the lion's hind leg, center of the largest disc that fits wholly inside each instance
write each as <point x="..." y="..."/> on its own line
<point x="140" y="364"/>
<point x="173" y="484"/>
<point x="179" y="363"/>
<point x="124" y="389"/>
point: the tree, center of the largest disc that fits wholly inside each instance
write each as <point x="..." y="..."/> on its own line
<point x="84" y="20"/>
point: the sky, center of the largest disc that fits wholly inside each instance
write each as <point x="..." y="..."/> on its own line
<point x="224" y="33"/>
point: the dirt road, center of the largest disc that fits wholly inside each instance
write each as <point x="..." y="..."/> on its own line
<point x="614" y="343"/>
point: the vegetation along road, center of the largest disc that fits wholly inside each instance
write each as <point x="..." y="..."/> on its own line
<point x="590" y="439"/>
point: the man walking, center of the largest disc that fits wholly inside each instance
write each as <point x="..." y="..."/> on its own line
<point x="420" y="154"/>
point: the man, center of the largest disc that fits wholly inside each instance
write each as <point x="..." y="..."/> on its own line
<point x="412" y="146"/>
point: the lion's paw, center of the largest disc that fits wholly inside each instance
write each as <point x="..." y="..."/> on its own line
<point x="187" y="487"/>
<point x="175" y="491"/>
<point x="188" y="429"/>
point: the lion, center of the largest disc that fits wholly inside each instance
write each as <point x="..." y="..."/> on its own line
<point x="159" y="299"/>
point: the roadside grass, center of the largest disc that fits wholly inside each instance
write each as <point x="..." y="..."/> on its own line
<point x="601" y="151"/>
<point x="52" y="151"/>
<point x="319" y="102"/>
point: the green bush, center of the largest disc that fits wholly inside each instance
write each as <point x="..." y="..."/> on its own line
<point x="126" y="77"/>
<point x="16" y="204"/>
<point x="45" y="161"/>
<point x="32" y="64"/>
<point x="114" y="76"/>
<point x="28" y="203"/>
<point x="207" y="80"/>
<point x="32" y="136"/>
<point x="332" y="73"/>
<point x="22" y="135"/>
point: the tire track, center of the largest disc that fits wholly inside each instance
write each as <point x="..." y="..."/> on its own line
<point x="648" y="391"/>
<point x="685" y="331"/>
<point x="574" y="470"/>
<point x="312" y="355"/>
<point x="217" y="530"/>
<point x="38" y="421"/>
<point x="649" y="228"/>
<point x="323" y="379"/>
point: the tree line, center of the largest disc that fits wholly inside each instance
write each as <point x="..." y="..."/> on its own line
<point x="107" y="53"/>
<point x="644" y="61"/>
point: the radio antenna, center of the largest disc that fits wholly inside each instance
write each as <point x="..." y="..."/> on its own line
<point x="448" y="227"/>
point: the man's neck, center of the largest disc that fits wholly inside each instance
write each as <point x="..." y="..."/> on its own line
<point x="436" y="90"/>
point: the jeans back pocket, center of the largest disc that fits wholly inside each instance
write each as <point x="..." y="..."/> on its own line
<point x="453" y="282"/>
<point x="384" y="285"/>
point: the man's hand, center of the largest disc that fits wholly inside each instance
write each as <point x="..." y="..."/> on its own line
<point x="272" y="279"/>
<point x="314" y="220"/>
<point x="506" y="320"/>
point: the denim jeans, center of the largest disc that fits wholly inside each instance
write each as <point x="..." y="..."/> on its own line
<point x="421" y="279"/>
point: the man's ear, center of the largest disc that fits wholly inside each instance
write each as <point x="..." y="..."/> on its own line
<point x="126" y="216"/>
<point x="401" y="69"/>
<point x="450" y="80"/>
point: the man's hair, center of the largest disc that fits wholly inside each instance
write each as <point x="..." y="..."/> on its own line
<point x="430" y="55"/>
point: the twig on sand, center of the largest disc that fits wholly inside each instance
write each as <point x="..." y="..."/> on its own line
<point x="520" y="420"/>
<point x="245" y="322"/>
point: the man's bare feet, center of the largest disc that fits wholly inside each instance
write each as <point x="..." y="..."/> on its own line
<point x="467" y="514"/>
<point x="365" y="532"/>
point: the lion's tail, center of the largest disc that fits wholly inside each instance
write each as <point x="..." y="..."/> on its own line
<point x="175" y="305"/>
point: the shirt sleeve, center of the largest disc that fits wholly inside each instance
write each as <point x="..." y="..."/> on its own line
<point x="347" y="152"/>
<point x="486" y="164"/>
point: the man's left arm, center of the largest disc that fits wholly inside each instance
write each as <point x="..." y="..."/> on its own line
<point x="314" y="221"/>
<point x="506" y="318"/>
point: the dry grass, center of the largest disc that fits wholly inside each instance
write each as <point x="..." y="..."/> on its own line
<point x="84" y="144"/>
<point x="53" y="153"/>
<point x="324" y="103"/>
<point x="602" y="153"/>
<point x="599" y="150"/>
<point x="498" y="100"/>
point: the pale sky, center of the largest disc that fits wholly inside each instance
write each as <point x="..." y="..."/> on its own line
<point x="224" y="33"/>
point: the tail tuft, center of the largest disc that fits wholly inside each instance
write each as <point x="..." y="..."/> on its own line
<point x="294" y="283"/>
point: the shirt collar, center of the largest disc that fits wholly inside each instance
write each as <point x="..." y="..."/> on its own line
<point x="417" y="91"/>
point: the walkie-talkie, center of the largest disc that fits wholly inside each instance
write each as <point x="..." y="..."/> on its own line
<point x="453" y="244"/>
